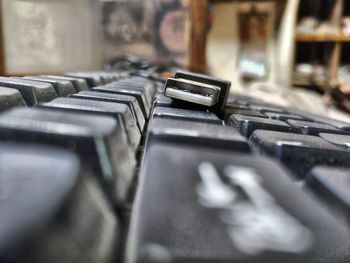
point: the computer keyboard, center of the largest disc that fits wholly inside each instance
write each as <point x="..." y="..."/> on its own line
<point x="103" y="167"/>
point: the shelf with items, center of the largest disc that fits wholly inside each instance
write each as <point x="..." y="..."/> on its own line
<point x="323" y="27"/>
<point x="322" y="38"/>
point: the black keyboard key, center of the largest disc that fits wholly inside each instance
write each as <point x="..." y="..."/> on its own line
<point x="337" y="139"/>
<point x="63" y="87"/>
<point x="332" y="186"/>
<point x="196" y="133"/>
<point x="100" y="141"/>
<point x="265" y="108"/>
<point x="119" y="111"/>
<point x="341" y="125"/>
<point x="128" y="100"/>
<point x="313" y="128"/>
<point x="191" y="115"/>
<point x="283" y="116"/>
<point x="241" y="111"/>
<point x="33" y="92"/>
<point x="162" y="101"/>
<point x="140" y="83"/>
<point x="300" y="152"/>
<point x="10" y="98"/>
<point x="139" y="95"/>
<point x="78" y="83"/>
<point x="49" y="206"/>
<point x="197" y="205"/>
<point x="146" y="93"/>
<point x="91" y="79"/>
<point x="248" y="124"/>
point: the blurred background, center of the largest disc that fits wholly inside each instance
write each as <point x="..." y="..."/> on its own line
<point x="286" y="42"/>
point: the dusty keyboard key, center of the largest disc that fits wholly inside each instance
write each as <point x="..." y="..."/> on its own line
<point x="300" y="152"/>
<point x="33" y="92"/>
<point x="48" y="207"/>
<point x="91" y="79"/>
<point x="248" y="124"/>
<point x="128" y="100"/>
<point x="202" y="205"/>
<point x="100" y="141"/>
<point x="337" y="139"/>
<point x="193" y="115"/>
<point x="264" y="108"/>
<point x="197" y="133"/>
<point x="313" y="128"/>
<point x="147" y="94"/>
<point x="78" y="83"/>
<point x="283" y="116"/>
<point x="139" y="95"/>
<point x="118" y="111"/>
<point x="63" y="87"/>
<point x="10" y="98"/>
<point x="341" y="125"/>
<point x="241" y="111"/>
<point x="332" y="186"/>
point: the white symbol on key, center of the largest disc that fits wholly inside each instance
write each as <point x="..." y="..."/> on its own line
<point x="212" y="191"/>
<point x="261" y="223"/>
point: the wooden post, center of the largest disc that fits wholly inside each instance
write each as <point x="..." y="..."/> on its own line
<point x="197" y="33"/>
<point x="2" y="47"/>
<point x="333" y="65"/>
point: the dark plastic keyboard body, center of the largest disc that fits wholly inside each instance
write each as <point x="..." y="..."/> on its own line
<point x="102" y="167"/>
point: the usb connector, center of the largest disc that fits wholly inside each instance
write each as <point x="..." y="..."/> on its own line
<point x="198" y="89"/>
<point x="192" y="91"/>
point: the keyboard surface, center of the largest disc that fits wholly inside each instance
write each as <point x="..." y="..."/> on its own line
<point x="103" y="167"/>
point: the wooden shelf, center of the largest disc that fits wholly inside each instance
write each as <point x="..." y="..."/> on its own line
<point x="322" y="38"/>
<point x="305" y="83"/>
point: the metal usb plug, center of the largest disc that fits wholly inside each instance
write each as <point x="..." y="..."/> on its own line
<point x="192" y="91"/>
<point x="201" y="90"/>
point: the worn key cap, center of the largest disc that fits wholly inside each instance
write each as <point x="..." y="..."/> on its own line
<point x="283" y="116"/>
<point x="100" y="141"/>
<point x="196" y="133"/>
<point x="241" y="111"/>
<point x="78" y="83"/>
<point x="264" y="108"/>
<point x="202" y="205"/>
<point x="10" y="98"/>
<point x="33" y="92"/>
<point x="313" y="128"/>
<point x="147" y="94"/>
<point x="91" y="79"/>
<point x="120" y="112"/>
<point x="248" y="124"/>
<point x="48" y="207"/>
<point x="300" y="152"/>
<point x="162" y="101"/>
<point x="63" y="87"/>
<point x="139" y="95"/>
<point x="192" y="115"/>
<point x="341" y="125"/>
<point x="332" y="185"/>
<point x="128" y="100"/>
<point x="140" y="83"/>
<point x="336" y="139"/>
